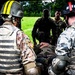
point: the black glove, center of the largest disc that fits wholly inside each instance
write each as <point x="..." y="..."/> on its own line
<point x="37" y="49"/>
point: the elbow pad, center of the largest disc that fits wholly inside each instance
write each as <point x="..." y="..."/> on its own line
<point x="31" y="69"/>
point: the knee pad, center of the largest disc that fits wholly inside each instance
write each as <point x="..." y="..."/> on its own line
<point x="40" y="67"/>
<point x="32" y="71"/>
<point x="58" y="65"/>
<point x="50" y="71"/>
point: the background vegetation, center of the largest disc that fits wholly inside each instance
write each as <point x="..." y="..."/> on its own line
<point x="35" y="7"/>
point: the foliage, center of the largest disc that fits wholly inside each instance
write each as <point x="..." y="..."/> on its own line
<point x="35" y="7"/>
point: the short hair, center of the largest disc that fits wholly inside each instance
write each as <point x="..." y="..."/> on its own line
<point x="46" y="11"/>
<point x="58" y="12"/>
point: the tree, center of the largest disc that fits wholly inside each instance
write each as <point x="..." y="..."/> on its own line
<point x="35" y="7"/>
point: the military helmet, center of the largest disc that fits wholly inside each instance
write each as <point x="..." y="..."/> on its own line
<point x="70" y="9"/>
<point x="12" y="8"/>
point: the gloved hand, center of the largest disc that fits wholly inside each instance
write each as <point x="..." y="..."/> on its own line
<point x="37" y="49"/>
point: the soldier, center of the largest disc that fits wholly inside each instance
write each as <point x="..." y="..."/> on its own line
<point x="16" y="50"/>
<point x="60" y="24"/>
<point x="45" y="54"/>
<point x="42" y="28"/>
<point x="64" y="63"/>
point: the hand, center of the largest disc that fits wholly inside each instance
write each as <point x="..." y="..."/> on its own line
<point x="44" y="44"/>
<point x="35" y="44"/>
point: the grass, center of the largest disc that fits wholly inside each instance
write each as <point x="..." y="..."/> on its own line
<point x="27" y="24"/>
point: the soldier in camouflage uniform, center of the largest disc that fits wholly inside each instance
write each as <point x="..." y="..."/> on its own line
<point x="60" y="24"/>
<point x="64" y="63"/>
<point x="45" y="54"/>
<point x="42" y="28"/>
<point x="16" y="50"/>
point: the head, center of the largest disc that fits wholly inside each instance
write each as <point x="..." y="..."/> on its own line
<point x="12" y="11"/>
<point x="46" y="13"/>
<point x="69" y="13"/>
<point x="57" y="14"/>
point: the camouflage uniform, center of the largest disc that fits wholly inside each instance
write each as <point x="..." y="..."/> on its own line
<point x="45" y="56"/>
<point x="66" y="46"/>
<point x="10" y="50"/>
<point x="60" y="27"/>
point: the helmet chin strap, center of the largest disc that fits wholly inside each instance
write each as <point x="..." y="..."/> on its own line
<point x="13" y="19"/>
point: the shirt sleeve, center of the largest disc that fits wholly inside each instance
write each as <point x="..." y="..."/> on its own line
<point x="26" y="47"/>
<point x="35" y="30"/>
<point x="64" y="43"/>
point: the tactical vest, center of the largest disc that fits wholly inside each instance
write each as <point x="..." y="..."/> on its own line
<point x="10" y="60"/>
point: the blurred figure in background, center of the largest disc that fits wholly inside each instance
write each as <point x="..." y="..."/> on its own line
<point x="60" y="24"/>
<point x="42" y="29"/>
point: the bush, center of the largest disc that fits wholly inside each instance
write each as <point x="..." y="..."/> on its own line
<point x="32" y="14"/>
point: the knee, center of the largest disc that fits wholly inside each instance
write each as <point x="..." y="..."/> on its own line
<point x="50" y="71"/>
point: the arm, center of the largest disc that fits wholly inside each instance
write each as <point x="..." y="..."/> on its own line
<point x="34" y="32"/>
<point x="27" y="53"/>
<point x="54" y="40"/>
<point x="62" y="60"/>
<point x="63" y="43"/>
<point x="34" y="36"/>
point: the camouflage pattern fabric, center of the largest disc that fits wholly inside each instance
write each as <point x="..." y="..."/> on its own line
<point x="44" y="57"/>
<point x="66" y="45"/>
<point x="47" y="53"/>
<point x="60" y="27"/>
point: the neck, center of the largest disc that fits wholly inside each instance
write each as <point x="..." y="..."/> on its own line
<point x="57" y="18"/>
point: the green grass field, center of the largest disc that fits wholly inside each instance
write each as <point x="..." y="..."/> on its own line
<point x="27" y="24"/>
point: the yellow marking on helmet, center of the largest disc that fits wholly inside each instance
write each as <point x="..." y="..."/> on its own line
<point x="5" y="7"/>
<point x="9" y="7"/>
<point x="12" y="0"/>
